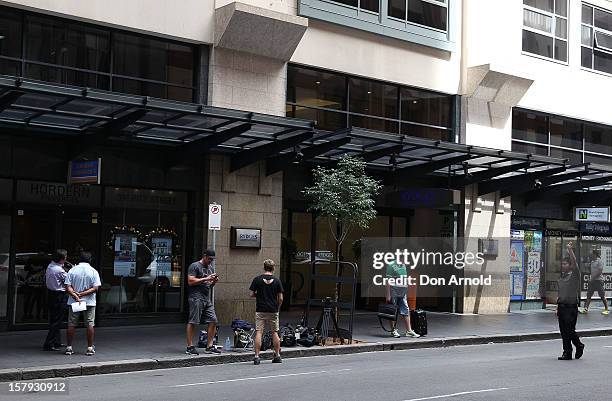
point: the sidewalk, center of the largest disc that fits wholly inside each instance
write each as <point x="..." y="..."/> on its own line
<point x="150" y="347"/>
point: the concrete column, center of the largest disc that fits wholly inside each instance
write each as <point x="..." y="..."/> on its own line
<point x="248" y="199"/>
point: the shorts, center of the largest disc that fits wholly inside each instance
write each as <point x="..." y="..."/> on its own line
<point x="89" y="315"/>
<point x="201" y="311"/>
<point x="262" y="317"/>
<point x="403" y="305"/>
<point x="596" y="286"/>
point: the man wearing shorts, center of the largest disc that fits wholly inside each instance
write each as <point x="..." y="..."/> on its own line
<point x="397" y="296"/>
<point x="596" y="283"/>
<point x="82" y="283"/>
<point x="268" y="293"/>
<point x="201" y="277"/>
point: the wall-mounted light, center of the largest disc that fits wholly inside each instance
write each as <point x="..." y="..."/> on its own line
<point x="466" y="170"/>
<point x="1" y="37"/>
<point x="299" y="156"/>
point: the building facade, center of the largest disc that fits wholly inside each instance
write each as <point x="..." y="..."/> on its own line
<point x="196" y="102"/>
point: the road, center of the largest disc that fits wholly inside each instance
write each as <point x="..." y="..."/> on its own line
<point x="516" y="371"/>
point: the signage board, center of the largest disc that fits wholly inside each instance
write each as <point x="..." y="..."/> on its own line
<point x="245" y="237"/>
<point x="84" y="171"/>
<point x="125" y="255"/>
<point x="214" y="217"/>
<point x="58" y="193"/>
<point x="414" y="198"/>
<point x="155" y="199"/>
<point x="593" y="214"/>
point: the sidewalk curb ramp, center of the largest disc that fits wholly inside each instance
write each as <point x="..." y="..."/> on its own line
<point x="131" y="365"/>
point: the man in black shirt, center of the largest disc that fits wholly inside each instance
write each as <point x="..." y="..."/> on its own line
<point x="268" y="292"/>
<point x="567" y="305"/>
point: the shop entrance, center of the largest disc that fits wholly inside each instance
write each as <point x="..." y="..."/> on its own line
<point x="36" y="233"/>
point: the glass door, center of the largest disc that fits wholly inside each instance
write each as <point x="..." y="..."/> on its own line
<point x="34" y="236"/>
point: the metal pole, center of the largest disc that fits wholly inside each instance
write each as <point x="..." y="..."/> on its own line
<point x="214" y="246"/>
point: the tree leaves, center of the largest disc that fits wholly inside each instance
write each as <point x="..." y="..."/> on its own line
<point x="344" y="193"/>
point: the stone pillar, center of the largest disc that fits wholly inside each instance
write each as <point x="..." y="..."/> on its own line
<point x="248" y="199"/>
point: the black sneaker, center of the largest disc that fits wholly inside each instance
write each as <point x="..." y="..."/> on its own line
<point x="277" y="359"/>
<point x="579" y="351"/>
<point x="191" y="351"/>
<point x="256" y="361"/>
<point x="212" y="350"/>
<point x="565" y="357"/>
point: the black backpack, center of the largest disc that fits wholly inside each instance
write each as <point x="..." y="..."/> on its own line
<point x="287" y="336"/>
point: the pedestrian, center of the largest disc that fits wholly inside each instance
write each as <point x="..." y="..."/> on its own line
<point x="397" y="295"/>
<point x="567" y="305"/>
<point x="201" y="277"/>
<point x="82" y="283"/>
<point x="55" y="277"/>
<point x="268" y="293"/>
<point x="596" y="283"/>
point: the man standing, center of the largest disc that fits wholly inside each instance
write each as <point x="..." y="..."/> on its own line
<point x="596" y="283"/>
<point x="82" y="283"/>
<point x="268" y="293"/>
<point x="200" y="278"/>
<point x="56" y="299"/>
<point x="567" y="305"/>
<point x="397" y="296"/>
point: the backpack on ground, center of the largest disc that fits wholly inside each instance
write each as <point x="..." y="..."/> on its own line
<point x="418" y="321"/>
<point x="287" y="336"/>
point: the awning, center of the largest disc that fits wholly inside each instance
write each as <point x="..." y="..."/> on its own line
<point x="188" y="130"/>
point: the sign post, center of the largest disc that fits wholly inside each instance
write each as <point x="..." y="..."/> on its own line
<point x="214" y="225"/>
<point x="593" y="214"/>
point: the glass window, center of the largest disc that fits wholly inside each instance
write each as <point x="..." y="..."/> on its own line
<point x="602" y="61"/>
<point x="397" y="9"/>
<point x="309" y="87"/>
<point x="529" y="127"/>
<point x="426" y="132"/>
<point x="603" y="41"/>
<point x="602" y="19"/>
<point x="545" y="32"/>
<point x="598" y="139"/>
<point x="545" y="5"/>
<point x="537" y="44"/>
<point x="54" y="41"/>
<point x="529" y="148"/>
<point x="373" y="98"/>
<point x="586" y="57"/>
<point x="598" y="159"/>
<point x="573" y="157"/>
<point x="565" y="133"/>
<point x="426" y="107"/>
<point x="587" y="14"/>
<point x="428" y="14"/>
<point x="10" y="31"/>
<point x="8" y="67"/>
<point x="66" y="76"/>
<point x="352" y="3"/>
<point x="587" y="36"/>
<point x="370" y="5"/>
<point x="325" y="120"/>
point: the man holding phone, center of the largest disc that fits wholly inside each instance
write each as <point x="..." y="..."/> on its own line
<point x="201" y="277"/>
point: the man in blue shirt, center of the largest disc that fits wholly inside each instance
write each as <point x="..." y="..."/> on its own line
<point x="56" y="299"/>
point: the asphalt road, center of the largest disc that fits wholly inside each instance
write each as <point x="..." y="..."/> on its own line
<point x="517" y="371"/>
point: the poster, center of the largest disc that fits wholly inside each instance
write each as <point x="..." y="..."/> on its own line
<point x="537" y="241"/>
<point x="534" y="263"/>
<point x="517" y="286"/>
<point x="125" y="255"/>
<point x="528" y="240"/>
<point x="517" y="234"/>
<point x="516" y="256"/>
<point x="162" y="249"/>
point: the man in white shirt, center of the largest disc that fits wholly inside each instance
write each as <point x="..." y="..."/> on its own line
<point x="596" y="283"/>
<point x="82" y="282"/>
<point x="55" y="275"/>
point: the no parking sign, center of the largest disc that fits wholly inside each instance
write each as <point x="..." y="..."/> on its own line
<point x="214" y="217"/>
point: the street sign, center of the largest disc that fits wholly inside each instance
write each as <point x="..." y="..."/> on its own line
<point x="214" y="217"/>
<point x="596" y="214"/>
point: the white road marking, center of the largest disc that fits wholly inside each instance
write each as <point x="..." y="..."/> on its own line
<point x="260" y="378"/>
<point x="458" y="394"/>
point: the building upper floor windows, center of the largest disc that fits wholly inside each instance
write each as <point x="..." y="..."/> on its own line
<point x="69" y="52"/>
<point x="549" y="135"/>
<point x="545" y="28"/>
<point x="339" y="101"/>
<point x="596" y="39"/>
<point x="428" y="22"/>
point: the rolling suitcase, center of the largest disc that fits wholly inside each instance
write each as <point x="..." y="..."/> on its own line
<point x="418" y="321"/>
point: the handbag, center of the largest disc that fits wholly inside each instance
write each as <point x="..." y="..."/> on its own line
<point x="387" y="312"/>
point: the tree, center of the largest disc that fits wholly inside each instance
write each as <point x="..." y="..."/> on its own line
<point x="345" y="196"/>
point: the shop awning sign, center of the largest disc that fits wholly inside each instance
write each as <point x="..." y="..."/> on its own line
<point x="594" y="214"/>
<point x="84" y="171"/>
<point x="214" y="217"/>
